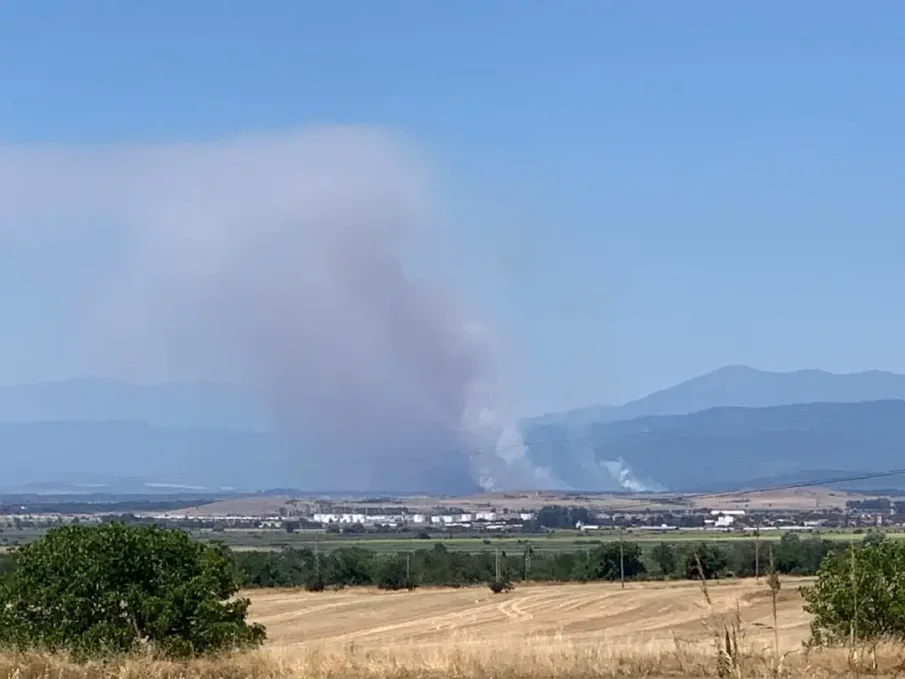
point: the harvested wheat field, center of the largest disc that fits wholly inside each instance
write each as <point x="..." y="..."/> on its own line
<point x="656" y="614"/>
<point x="536" y="632"/>
<point x="571" y="630"/>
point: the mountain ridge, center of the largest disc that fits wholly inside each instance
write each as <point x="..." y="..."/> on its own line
<point x="744" y="386"/>
<point x="683" y="438"/>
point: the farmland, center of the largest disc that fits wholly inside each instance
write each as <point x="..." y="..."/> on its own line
<point x="589" y="630"/>
<point x="535" y="632"/>
<point x="570" y="631"/>
<point x="653" y="615"/>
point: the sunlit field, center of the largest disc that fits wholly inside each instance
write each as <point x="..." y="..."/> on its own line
<point x="574" y="630"/>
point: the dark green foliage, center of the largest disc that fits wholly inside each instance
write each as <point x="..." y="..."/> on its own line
<point x="394" y="572"/>
<point x="437" y="565"/>
<point x="703" y="560"/>
<point x="556" y="516"/>
<point x="603" y="562"/>
<point x="289" y="568"/>
<point x="350" y="566"/>
<point x="664" y="556"/>
<point x="796" y="556"/>
<point x="6" y="565"/>
<point x="874" y="537"/>
<point x="859" y="594"/>
<point x="108" y="589"/>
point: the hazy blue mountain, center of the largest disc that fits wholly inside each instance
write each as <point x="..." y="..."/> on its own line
<point x="233" y="407"/>
<point x="729" y="447"/>
<point x="169" y="404"/>
<point x="577" y="416"/>
<point x="722" y="448"/>
<point x="806" y="424"/>
<point x="743" y="387"/>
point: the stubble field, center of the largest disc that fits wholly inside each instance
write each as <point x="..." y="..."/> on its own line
<point x="572" y="631"/>
<point x="643" y="614"/>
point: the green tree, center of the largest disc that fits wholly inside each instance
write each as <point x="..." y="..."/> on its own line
<point x="702" y="556"/>
<point x="859" y="594"/>
<point x="664" y="556"/>
<point x="350" y="566"/>
<point x="609" y="561"/>
<point x="107" y="589"/>
<point x="395" y="572"/>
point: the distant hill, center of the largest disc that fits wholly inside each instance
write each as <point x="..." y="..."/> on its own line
<point x="727" y="448"/>
<point x="743" y="387"/>
<point x="717" y="449"/>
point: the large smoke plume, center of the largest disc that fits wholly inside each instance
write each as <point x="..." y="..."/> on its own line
<point x="283" y="262"/>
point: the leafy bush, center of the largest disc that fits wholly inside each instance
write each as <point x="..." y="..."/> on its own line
<point x="859" y="594"/>
<point x="101" y="590"/>
<point x="394" y="572"/>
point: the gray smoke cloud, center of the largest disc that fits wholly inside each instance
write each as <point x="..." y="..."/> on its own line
<point x="283" y="262"/>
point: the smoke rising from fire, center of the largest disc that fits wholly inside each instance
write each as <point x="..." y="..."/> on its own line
<point x="282" y="262"/>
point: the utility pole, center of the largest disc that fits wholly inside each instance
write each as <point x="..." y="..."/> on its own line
<point x="317" y="559"/>
<point x="757" y="551"/>
<point x="527" y="561"/>
<point x="408" y="569"/>
<point x="497" y="566"/>
<point x="621" y="560"/>
<point x="853" y="629"/>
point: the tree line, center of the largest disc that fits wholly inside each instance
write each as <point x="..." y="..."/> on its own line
<point x="439" y="566"/>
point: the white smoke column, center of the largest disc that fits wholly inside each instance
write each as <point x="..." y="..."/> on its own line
<point x="281" y="261"/>
<point x="502" y="460"/>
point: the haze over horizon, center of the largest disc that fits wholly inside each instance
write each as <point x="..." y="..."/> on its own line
<point x="402" y="244"/>
<point x="728" y="371"/>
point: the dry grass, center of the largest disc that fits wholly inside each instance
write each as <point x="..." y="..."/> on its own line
<point x="562" y="631"/>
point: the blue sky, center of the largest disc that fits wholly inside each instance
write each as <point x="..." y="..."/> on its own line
<point x="646" y="191"/>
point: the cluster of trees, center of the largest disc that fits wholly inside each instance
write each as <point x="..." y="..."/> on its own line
<point x="351" y="566"/>
<point x="875" y="504"/>
<point x="436" y="565"/>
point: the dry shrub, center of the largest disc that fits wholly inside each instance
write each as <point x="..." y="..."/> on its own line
<point x="467" y="659"/>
